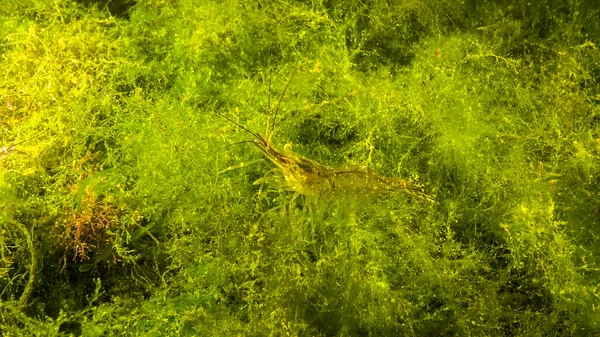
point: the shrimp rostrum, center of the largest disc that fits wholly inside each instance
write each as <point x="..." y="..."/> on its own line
<point x="312" y="179"/>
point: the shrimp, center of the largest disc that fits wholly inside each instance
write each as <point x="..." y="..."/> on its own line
<point x="312" y="179"/>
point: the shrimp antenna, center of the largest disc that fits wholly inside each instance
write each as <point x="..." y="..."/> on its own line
<point x="236" y="143"/>
<point x="36" y="135"/>
<point x="269" y="102"/>
<point x="238" y="125"/>
<point x="269" y="135"/>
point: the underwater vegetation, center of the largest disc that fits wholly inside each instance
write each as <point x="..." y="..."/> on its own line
<point x="299" y="168"/>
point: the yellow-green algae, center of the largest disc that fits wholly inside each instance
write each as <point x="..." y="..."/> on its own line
<point x="114" y="219"/>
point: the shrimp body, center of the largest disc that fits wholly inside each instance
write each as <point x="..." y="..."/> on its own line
<point x="312" y="179"/>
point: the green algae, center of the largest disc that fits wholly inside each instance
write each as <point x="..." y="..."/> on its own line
<point x="114" y="218"/>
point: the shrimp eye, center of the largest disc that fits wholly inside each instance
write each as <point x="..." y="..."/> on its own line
<point x="287" y="148"/>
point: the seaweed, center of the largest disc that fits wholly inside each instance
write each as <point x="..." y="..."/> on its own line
<point x="128" y="207"/>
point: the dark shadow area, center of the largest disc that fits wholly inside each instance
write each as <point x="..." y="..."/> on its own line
<point x="117" y="8"/>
